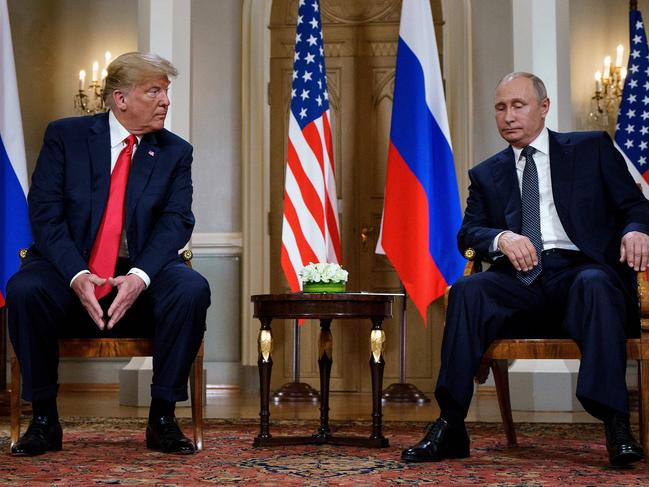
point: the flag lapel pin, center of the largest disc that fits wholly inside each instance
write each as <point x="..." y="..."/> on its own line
<point x="151" y="153"/>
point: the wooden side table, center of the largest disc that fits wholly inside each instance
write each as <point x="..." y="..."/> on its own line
<point x="323" y="307"/>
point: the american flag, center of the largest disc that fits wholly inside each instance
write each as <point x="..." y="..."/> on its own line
<point x="310" y="224"/>
<point x="632" y="129"/>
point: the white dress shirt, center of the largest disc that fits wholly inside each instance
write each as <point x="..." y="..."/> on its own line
<point x="552" y="231"/>
<point x="118" y="135"/>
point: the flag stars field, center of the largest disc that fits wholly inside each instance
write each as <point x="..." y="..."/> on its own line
<point x="632" y="134"/>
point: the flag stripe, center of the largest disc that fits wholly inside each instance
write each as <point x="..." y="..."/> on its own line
<point x="423" y="45"/>
<point x="292" y="262"/>
<point x="291" y="218"/>
<point x="407" y="210"/>
<point x="305" y="155"/>
<point x="333" y="236"/>
<point x="302" y="190"/>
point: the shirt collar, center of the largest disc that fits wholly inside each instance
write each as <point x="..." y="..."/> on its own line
<point x="117" y="132"/>
<point x="541" y="144"/>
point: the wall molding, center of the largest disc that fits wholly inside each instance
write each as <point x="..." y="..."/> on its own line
<point x="217" y="243"/>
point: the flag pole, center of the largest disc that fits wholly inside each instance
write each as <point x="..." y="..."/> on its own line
<point x="296" y="391"/>
<point x="402" y="391"/>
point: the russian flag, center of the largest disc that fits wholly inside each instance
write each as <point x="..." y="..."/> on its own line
<point x="421" y="214"/>
<point x="15" y="231"/>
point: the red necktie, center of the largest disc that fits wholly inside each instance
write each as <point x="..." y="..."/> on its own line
<point x="103" y="257"/>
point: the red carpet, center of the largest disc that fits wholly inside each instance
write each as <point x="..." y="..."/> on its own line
<point x="112" y="452"/>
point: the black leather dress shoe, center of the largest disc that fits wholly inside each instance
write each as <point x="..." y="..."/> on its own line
<point x="165" y="435"/>
<point x="622" y="448"/>
<point x="42" y="435"/>
<point x="441" y="441"/>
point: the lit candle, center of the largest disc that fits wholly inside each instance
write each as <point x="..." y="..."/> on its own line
<point x="106" y="59"/>
<point x="607" y="68"/>
<point x="598" y="81"/>
<point x="82" y="80"/>
<point x="95" y="70"/>
<point x="623" y="73"/>
<point x="618" y="57"/>
<point x="104" y="73"/>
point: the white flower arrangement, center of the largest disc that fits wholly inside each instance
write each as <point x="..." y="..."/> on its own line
<point x="323" y="272"/>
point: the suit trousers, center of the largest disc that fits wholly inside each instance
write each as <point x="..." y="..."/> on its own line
<point x="42" y="308"/>
<point x="574" y="296"/>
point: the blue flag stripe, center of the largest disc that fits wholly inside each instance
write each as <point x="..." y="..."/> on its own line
<point x="14" y="220"/>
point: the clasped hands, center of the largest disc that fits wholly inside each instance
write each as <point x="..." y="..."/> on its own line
<point x="128" y="287"/>
<point x="634" y="250"/>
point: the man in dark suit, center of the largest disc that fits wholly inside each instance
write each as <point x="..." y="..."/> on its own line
<point x="562" y="222"/>
<point x="110" y="207"/>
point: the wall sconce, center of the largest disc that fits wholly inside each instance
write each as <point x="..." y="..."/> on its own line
<point x="90" y="100"/>
<point x="609" y="84"/>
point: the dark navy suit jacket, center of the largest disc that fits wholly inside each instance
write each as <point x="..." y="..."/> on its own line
<point x="70" y="187"/>
<point x="596" y="199"/>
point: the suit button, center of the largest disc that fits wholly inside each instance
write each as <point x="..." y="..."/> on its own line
<point x="469" y="254"/>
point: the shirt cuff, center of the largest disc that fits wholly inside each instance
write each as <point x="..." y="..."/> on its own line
<point x="85" y="271"/>
<point x="494" y="244"/>
<point x="141" y="274"/>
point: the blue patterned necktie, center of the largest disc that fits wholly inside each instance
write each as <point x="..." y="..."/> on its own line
<point x="531" y="218"/>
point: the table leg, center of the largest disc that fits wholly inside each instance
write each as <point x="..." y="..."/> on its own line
<point x="324" y="362"/>
<point x="377" y="364"/>
<point x="265" y="363"/>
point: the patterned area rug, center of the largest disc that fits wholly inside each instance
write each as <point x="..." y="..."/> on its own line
<point x="111" y="451"/>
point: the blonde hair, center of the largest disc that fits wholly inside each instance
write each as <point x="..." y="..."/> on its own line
<point x="132" y="68"/>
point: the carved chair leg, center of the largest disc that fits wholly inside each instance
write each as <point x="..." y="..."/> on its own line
<point x="644" y="405"/>
<point x="196" y="390"/>
<point x="501" y="378"/>
<point x="14" y="398"/>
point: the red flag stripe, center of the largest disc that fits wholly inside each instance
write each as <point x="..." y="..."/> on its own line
<point x="293" y="260"/>
<point x="311" y="223"/>
<point x="334" y="249"/>
<point x="332" y="230"/>
<point x="326" y="132"/>
<point x="403" y="211"/>
<point x="306" y="252"/>
<point x="312" y="167"/>
<point x="289" y="270"/>
<point x="312" y="137"/>
<point x="307" y="192"/>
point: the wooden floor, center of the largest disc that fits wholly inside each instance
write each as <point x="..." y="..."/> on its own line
<point x="343" y="406"/>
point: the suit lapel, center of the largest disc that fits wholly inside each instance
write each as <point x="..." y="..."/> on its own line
<point x="505" y="179"/>
<point x="144" y="160"/>
<point x="99" y="149"/>
<point x="562" y="167"/>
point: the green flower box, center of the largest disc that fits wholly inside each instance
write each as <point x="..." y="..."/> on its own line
<point x="323" y="287"/>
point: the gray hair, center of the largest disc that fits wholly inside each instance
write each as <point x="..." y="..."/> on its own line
<point x="133" y="68"/>
<point x="537" y="83"/>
